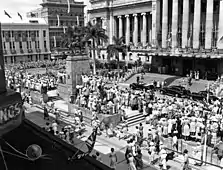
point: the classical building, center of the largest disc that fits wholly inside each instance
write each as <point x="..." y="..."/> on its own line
<point x="58" y="17"/>
<point x="179" y="35"/>
<point x="25" y="40"/>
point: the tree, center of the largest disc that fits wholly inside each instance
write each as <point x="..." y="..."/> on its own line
<point x="96" y="34"/>
<point x="116" y="48"/>
<point x="73" y="39"/>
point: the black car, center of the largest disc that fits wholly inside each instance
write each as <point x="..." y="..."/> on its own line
<point x="202" y="95"/>
<point x="177" y="91"/>
<point x="141" y="86"/>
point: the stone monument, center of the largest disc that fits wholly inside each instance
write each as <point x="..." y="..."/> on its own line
<point x="77" y="63"/>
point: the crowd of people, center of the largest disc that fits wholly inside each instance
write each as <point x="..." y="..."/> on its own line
<point x="36" y="64"/>
<point x="166" y="117"/>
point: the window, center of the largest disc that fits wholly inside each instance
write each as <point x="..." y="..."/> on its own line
<point x="20" y="45"/>
<point x="10" y="45"/>
<point x="37" y="33"/>
<point x="12" y="33"/>
<point x="29" y="32"/>
<point x="13" y="45"/>
<point x="4" y="47"/>
<point x="9" y="33"/>
<point x="37" y="44"/>
<point x="12" y="59"/>
<point x="30" y="44"/>
<point x="44" y="44"/>
<point x="44" y="33"/>
<point x="3" y="33"/>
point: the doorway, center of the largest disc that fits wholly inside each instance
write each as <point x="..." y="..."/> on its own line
<point x="187" y="66"/>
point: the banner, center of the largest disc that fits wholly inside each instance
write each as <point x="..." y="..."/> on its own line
<point x="24" y="36"/>
<point x="32" y="35"/>
<point x="16" y="35"/>
<point x="11" y="112"/>
<point x="7" y="36"/>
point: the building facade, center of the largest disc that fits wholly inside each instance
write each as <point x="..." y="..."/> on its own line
<point x="26" y="40"/>
<point x="183" y="35"/>
<point x="58" y="17"/>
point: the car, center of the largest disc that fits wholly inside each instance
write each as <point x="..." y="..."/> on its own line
<point x="177" y="91"/>
<point x="141" y="86"/>
<point x="201" y="95"/>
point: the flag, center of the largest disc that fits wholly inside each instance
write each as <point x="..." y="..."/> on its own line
<point x="54" y="41"/>
<point x="20" y="16"/>
<point x="90" y="145"/>
<point x="7" y="14"/>
<point x="78" y="20"/>
<point x="58" y="20"/>
<point x="220" y="39"/>
<point x="68" y="6"/>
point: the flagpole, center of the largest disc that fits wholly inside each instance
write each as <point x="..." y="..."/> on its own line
<point x="73" y="156"/>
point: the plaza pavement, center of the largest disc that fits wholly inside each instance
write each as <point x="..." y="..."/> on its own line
<point x="170" y="80"/>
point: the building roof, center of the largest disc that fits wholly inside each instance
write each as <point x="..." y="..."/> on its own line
<point x="17" y="20"/>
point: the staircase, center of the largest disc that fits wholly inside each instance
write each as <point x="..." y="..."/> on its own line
<point x="134" y="118"/>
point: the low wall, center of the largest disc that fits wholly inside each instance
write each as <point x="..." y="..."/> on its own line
<point x="106" y="119"/>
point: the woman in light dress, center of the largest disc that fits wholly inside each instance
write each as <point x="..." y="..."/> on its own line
<point x="113" y="159"/>
<point x="131" y="162"/>
<point x="198" y="153"/>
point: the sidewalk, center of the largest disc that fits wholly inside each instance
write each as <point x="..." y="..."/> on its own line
<point x="104" y="144"/>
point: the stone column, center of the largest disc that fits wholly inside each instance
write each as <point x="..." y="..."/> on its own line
<point x="120" y="26"/>
<point x="155" y="21"/>
<point x="209" y="24"/>
<point x="165" y="24"/>
<point x="220" y="26"/>
<point x="111" y="28"/>
<point x="135" y="32"/>
<point x="174" y="23"/>
<point x="104" y="26"/>
<point x="197" y="23"/>
<point x="144" y="27"/>
<point x="185" y="24"/>
<point x="127" y="33"/>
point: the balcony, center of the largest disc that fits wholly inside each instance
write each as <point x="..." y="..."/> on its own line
<point x="30" y="50"/>
<point x="38" y="50"/>
<point x="13" y="51"/>
<point x="21" y="51"/>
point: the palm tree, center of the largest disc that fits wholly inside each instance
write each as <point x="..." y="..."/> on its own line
<point x="96" y="34"/>
<point x="116" y="48"/>
<point x="73" y="39"/>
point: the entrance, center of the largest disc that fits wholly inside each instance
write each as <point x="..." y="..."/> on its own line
<point x="187" y="66"/>
<point x="167" y="64"/>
